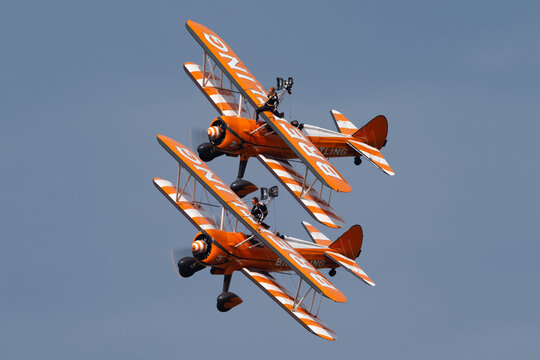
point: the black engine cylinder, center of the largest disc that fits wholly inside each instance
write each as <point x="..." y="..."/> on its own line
<point x="208" y="152"/>
<point x="188" y="266"/>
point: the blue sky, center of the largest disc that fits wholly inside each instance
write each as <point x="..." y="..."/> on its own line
<point x="451" y="240"/>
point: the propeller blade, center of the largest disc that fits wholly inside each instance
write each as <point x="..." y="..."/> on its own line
<point x="197" y="136"/>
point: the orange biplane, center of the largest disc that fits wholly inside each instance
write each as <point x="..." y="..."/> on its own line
<point x="235" y="93"/>
<point x="237" y="242"/>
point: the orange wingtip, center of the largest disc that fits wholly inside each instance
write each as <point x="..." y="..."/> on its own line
<point x="229" y="62"/>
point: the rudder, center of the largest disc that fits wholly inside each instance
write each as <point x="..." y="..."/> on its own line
<point x="374" y="132"/>
<point x="350" y="243"/>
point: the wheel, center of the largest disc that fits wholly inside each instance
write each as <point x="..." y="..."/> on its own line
<point x="357" y="160"/>
<point x="332" y="272"/>
<point x="243" y="187"/>
<point x="227" y="300"/>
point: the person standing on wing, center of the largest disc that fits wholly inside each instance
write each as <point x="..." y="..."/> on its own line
<point x="259" y="211"/>
<point x="270" y="105"/>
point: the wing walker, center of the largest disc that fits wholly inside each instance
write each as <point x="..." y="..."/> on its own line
<point x="234" y="240"/>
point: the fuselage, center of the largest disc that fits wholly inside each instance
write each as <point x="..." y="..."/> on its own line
<point x="246" y="137"/>
<point x="229" y="251"/>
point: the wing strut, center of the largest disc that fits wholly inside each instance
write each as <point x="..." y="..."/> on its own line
<point x="309" y="188"/>
<point x="222" y="218"/>
<point x="178" y="182"/>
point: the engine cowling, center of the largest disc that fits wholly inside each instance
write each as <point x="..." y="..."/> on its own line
<point x="206" y="252"/>
<point x="221" y="134"/>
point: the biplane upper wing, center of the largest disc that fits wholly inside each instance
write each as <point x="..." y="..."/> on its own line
<point x="192" y="210"/>
<point x="212" y="87"/>
<point x="294" y="182"/>
<point x="234" y="205"/>
<point x="372" y="154"/>
<point x="350" y="265"/>
<point x="281" y="296"/>
<point x="229" y="63"/>
<point x="308" y="153"/>
<point x="255" y="94"/>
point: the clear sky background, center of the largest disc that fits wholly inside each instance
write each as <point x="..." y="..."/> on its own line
<point x="451" y="241"/>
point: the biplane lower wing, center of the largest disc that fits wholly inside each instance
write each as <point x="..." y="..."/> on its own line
<point x="310" y="200"/>
<point x="282" y="297"/>
<point x="350" y="265"/>
<point x="308" y="153"/>
<point x="192" y="210"/>
<point x="235" y="206"/>
<point x="223" y="99"/>
<point x="372" y="154"/>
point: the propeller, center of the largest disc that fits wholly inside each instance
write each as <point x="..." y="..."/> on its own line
<point x="197" y="136"/>
<point x="183" y="258"/>
<point x="180" y="252"/>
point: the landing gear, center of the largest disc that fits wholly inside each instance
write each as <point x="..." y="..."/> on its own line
<point x="227" y="300"/>
<point x="332" y="272"/>
<point x="243" y="187"/>
<point x="357" y="160"/>
<point x="188" y="266"/>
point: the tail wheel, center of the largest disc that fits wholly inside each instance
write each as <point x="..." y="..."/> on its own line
<point x="332" y="272"/>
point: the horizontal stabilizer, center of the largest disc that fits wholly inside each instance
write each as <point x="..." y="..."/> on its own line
<point x="373" y="155"/>
<point x="342" y="123"/>
<point x="315" y="235"/>
<point x="351" y="266"/>
<point x="310" y="200"/>
<point x="281" y="296"/>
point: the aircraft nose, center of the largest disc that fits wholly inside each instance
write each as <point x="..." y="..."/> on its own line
<point x="198" y="247"/>
<point x="214" y="132"/>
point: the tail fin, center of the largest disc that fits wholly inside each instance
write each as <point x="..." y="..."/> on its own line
<point x="374" y="132"/>
<point x="350" y="243"/>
